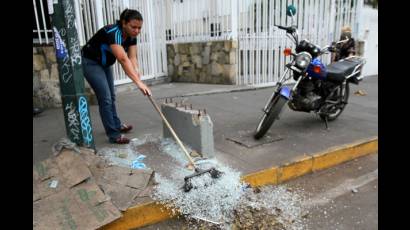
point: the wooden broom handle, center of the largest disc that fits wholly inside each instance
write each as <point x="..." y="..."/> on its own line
<point x="172" y="130"/>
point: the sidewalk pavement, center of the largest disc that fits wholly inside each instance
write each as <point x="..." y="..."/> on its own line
<point x="235" y="111"/>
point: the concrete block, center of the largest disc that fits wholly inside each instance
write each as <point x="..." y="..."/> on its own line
<point x="50" y="54"/>
<point x="183" y="48"/>
<point x="193" y="130"/>
<point x="206" y="55"/>
<point x="54" y="72"/>
<point x="227" y="46"/>
<point x="170" y="51"/>
<point x="177" y="60"/>
<point x="171" y="70"/>
<point x="194" y="49"/>
<point x="184" y="58"/>
<point x="38" y="62"/>
<point x="197" y="60"/>
<point x="216" y="69"/>
<point x="232" y="57"/>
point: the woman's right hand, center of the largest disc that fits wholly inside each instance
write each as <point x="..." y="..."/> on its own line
<point x="144" y="89"/>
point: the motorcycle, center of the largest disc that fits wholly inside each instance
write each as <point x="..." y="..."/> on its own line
<point x="322" y="89"/>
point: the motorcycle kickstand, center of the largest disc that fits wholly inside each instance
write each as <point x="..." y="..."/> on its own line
<point x="326" y="124"/>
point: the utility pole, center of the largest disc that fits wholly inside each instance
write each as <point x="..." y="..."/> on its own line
<point x="68" y="54"/>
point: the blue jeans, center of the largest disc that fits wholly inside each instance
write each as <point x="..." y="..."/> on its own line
<point x="101" y="81"/>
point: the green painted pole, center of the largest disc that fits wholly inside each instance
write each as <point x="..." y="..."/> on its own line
<point x="71" y="77"/>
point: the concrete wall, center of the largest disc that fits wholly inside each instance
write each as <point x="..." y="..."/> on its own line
<point x="203" y="62"/>
<point x="368" y="31"/>
<point x="46" y="85"/>
<point x="46" y="91"/>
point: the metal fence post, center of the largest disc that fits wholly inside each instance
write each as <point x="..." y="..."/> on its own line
<point x="80" y="32"/>
<point x="99" y="14"/>
<point x="358" y="19"/>
<point x="151" y="36"/>
<point x="332" y="32"/>
<point x="234" y="19"/>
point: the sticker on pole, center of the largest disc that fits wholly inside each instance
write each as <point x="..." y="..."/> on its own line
<point x="61" y="51"/>
<point x="50" y="6"/>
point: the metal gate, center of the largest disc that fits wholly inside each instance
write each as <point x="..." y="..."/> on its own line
<point x="94" y="14"/>
<point x="261" y="44"/>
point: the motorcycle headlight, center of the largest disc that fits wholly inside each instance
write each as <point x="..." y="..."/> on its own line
<point x="303" y="60"/>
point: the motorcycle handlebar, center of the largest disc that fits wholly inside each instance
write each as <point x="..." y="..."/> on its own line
<point x="282" y="27"/>
<point x="289" y="29"/>
<point x="333" y="47"/>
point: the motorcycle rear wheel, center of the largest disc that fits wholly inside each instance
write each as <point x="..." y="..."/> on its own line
<point x="345" y="97"/>
<point x="268" y="118"/>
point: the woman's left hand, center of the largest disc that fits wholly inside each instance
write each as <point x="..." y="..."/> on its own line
<point x="144" y="89"/>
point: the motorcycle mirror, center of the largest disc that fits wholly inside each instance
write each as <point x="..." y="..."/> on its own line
<point x="291" y="10"/>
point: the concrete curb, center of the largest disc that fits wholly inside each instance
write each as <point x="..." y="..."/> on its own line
<point x="307" y="164"/>
<point x="220" y="91"/>
<point x="153" y="212"/>
<point x="141" y="215"/>
<point x="239" y="89"/>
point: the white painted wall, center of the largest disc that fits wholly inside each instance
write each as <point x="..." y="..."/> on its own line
<point x="368" y="31"/>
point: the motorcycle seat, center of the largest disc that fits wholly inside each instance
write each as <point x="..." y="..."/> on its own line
<point x="338" y="71"/>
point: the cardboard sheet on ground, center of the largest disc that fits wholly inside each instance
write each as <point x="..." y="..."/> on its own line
<point x="82" y="191"/>
<point x="58" y="173"/>
<point x="65" y="196"/>
<point x="82" y="207"/>
<point x="245" y="138"/>
<point x="124" y="185"/>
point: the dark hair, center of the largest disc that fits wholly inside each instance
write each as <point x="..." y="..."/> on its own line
<point x="128" y="15"/>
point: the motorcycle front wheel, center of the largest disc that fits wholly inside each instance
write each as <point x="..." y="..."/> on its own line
<point x="276" y="105"/>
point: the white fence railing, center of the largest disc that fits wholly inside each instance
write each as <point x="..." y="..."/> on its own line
<point x="260" y="57"/>
<point x="250" y="22"/>
<point x="198" y="20"/>
<point x="94" y="14"/>
<point x="42" y="33"/>
<point x="91" y="15"/>
<point x="369" y="33"/>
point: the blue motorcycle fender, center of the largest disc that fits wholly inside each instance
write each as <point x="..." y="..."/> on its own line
<point x="285" y="91"/>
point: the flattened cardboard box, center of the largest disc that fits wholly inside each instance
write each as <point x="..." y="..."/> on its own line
<point x="64" y="171"/>
<point x="66" y="197"/>
<point x="123" y="185"/>
<point x="82" y="207"/>
<point x="126" y="187"/>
